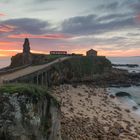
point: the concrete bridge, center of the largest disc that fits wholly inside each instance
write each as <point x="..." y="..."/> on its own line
<point x="38" y="74"/>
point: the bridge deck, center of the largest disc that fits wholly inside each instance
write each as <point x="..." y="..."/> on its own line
<point x="28" y="70"/>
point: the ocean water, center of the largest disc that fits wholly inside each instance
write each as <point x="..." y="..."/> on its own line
<point x="128" y="102"/>
<point x="4" y="61"/>
<point x="127" y="60"/>
<point x="134" y="91"/>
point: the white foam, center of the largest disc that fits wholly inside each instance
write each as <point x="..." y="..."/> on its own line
<point x="137" y="111"/>
<point x="126" y="101"/>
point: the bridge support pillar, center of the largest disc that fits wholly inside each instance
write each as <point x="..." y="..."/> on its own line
<point x="45" y="79"/>
<point x="37" y="79"/>
<point x="42" y="79"/>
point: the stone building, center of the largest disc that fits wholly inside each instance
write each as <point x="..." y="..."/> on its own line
<point x="91" y="52"/>
<point x="27" y="58"/>
<point x="26" y="46"/>
<point x="58" y="52"/>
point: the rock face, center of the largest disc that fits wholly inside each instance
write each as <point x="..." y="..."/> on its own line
<point x="28" y="117"/>
<point x="79" y="69"/>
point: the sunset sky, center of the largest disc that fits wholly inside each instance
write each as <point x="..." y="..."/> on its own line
<point x="112" y="27"/>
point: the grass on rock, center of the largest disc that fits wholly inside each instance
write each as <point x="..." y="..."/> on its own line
<point x="27" y="89"/>
<point x="23" y="88"/>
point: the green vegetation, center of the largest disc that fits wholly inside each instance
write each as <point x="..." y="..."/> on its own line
<point x="27" y="89"/>
<point x="49" y="56"/>
<point x="22" y="89"/>
<point x="83" y="66"/>
<point x="79" y="69"/>
<point x="39" y="59"/>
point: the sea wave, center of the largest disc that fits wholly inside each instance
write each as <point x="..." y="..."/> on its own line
<point x="131" y="103"/>
<point x="126" y="60"/>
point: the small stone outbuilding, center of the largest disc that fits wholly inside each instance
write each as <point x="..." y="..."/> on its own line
<point x="91" y="52"/>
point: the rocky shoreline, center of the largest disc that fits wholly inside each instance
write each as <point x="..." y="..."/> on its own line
<point x="88" y="112"/>
<point x="126" y="65"/>
<point x="112" y="78"/>
<point x="119" y="78"/>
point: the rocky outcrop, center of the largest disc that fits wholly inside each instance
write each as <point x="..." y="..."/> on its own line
<point x="123" y="94"/>
<point x="126" y="65"/>
<point x="29" y="117"/>
<point x="121" y="78"/>
<point x="16" y="61"/>
<point x="78" y="69"/>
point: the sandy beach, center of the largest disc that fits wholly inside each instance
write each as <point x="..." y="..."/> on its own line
<point x="90" y="113"/>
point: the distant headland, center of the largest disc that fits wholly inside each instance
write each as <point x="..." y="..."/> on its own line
<point x="29" y="58"/>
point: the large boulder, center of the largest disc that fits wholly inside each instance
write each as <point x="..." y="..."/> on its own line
<point x="122" y="94"/>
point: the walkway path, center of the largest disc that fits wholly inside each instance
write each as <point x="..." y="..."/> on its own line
<point x="28" y="70"/>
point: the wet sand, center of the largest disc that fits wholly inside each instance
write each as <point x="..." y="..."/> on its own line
<point x="89" y="113"/>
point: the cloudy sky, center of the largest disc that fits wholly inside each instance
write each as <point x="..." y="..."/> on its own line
<point x="111" y="27"/>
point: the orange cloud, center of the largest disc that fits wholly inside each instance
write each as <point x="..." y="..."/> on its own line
<point x="12" y="48"/>
<point x="122" y="53"/>
<point x="7" y="45"/>
<point x="8" y="52"/>
<point x="9" y="48"/>
<point x="6" y="28"/>
<point x="111" y="53"/>
<point x="48" y="36"/>
<point x="2" y="15"/>
<point x="39" y="52"/>
<point x="2" y="55"/>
